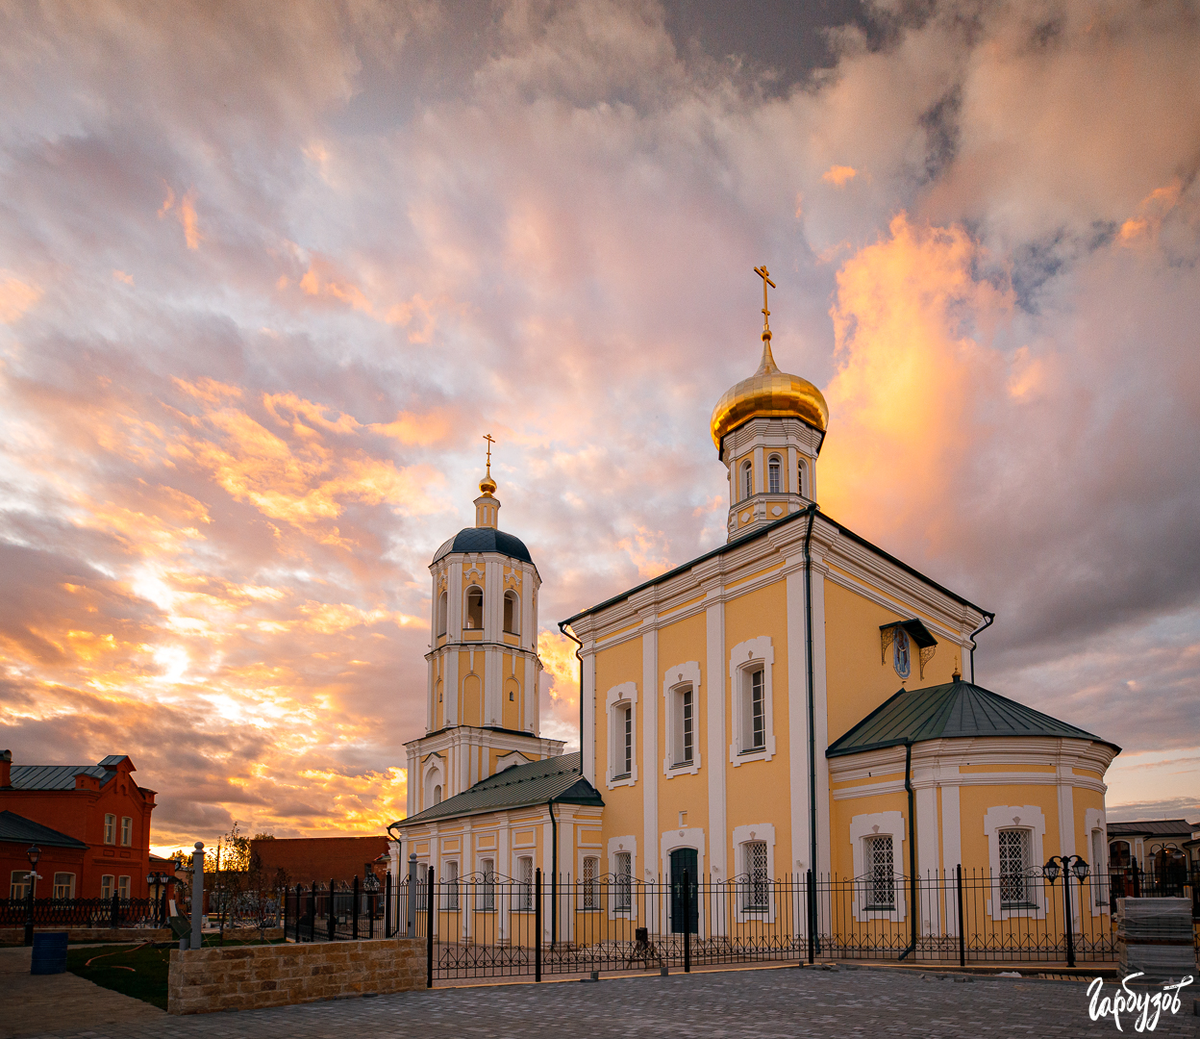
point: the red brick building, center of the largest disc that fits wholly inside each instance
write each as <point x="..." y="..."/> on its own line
<point x="309" y="859"/>
<point x="96" y="822"/>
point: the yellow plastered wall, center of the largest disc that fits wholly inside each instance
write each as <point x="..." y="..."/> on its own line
<point x="856" y="680"/>
<point x="623" y="804"/>
<point x="759" y="791"/>
<point x="470" y="710"/>
<point x="974" y="802"/>
<point x="678" y="643"/>
<point x="841" y="852"/>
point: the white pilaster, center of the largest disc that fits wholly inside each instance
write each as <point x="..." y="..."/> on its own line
<point x="651" y="754"/>
<point x="714" y="677"/>
<point x="587" y="737"/>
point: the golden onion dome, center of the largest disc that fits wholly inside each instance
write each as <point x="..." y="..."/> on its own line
<point x="768" y="392"/>
<point x="487" y="485"/>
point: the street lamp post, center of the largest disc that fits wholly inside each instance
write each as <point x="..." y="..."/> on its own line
<point x="34" y="853"/>
<point x="158" y="882"/>
<point x="1067" y="864"/>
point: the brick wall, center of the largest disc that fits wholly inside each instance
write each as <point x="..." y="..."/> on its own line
<point x="16" y="935"/>
<point x="253" y="976"/>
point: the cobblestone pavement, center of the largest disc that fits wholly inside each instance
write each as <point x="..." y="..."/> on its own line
<point x="749" y="1003"/>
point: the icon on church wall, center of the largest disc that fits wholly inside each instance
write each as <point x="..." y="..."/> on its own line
<point x="901" y="657"/>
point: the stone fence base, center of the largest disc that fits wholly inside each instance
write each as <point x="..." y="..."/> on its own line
<point x="254" y="976"/>
<point x="16" y="935"/>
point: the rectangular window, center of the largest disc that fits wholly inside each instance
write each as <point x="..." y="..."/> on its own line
<point x="486" y="902"/>
<point x="19" y="884"/>
<point x="684" y="727"/>
<point x="1015" y="858"/>
<point x="624" y="892"/>
<point x="450" y="872"/>
<point x="773" y="476"/>
<point x="110" y="829"/>
<point x="757" y="882"/>
<point x="123" y="887"/>
<point x="881" y="880"/>
<point x="591" y="887"/>
<point x="64" y="885"/>
<point x="525" y="887"/>
<point x="628" y="712"/>
<point x="754" y="715"/>
<point x="126" y="830"/>
<point x="106" y="886"/>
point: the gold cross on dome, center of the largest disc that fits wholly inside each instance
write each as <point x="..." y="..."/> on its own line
<point x="765" y="274"/>
<point x="491" y="440"/>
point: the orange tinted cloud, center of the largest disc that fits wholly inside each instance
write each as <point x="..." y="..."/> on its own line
<point x="839" y="176"/>
<point x="908" y="320"/>
<point x="185" y="213"/>
<point x="16" y="297"/>
<point x="1150" y="214"/>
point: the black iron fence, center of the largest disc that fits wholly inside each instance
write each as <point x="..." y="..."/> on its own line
<point x="337" y="910"/>
<point x="485" y="925"/>
<point x="82" y="912"/>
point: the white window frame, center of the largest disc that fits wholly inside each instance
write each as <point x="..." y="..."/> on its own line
<point x="878" y="824"/>
<point x="452" y="892"/>
<point x="746" y="479"/>
<point x="108" y="884"/>
<point x="674" y="680"/>
<point x="615" y="700"/>
<point x="441" y="620"/>
<point x="745" y="658"/>
<point x="127" y="831"/>
<point x="626" y="844"/>
<point x="1015" y="817"/>
<point x="110" y="828"/>
<point x="18" y="885"/>
<point x="1096" y="826"/>
<point x="762" y="833"/>
<point x="775" y="462"/>
<point x="485" y="891"/>
<point x="473" y="587"/>
<point x="432" y="774"/>
<point x="70" y="885"/>
<point x="516" y="612"/>
<point x="525" y="885"/>
<point x="124" y="887"/>
<point x="801" y="473"/>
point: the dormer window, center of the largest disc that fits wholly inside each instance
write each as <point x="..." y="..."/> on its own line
<point x="774" y="475"/>
<point x="512" y="614"/>
<point x="747" y="479"/>
<point x="474" y="616"/>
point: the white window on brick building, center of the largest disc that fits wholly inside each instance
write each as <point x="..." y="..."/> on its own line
<point x="110" y="829"/>
<point x="64" y="885"/>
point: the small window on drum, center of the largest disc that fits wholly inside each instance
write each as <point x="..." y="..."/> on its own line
<point x="801" y="482"/>
<point x="474" y="616"/>
<point x="512" y="614"/>
<point x="443" y="608"/>
<point x="774" y="475"/>
<point x="747" y="479"/>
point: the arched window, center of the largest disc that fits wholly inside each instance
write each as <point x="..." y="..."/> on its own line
<point x="747" y="479"/>
<point x="437" y="794"/>
<point x="800" y="481"/>
<point x="442" y="609"/>
<point x="774" y="475"/>
<point x="512" y="614"/>
<point x="474" y="607"/>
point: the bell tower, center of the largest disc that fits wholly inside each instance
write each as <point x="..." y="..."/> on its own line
<point x="768" y="430"/>
<point x="482" y="698"/>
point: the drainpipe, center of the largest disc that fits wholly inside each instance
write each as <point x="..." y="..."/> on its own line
<point x="912" y="849"/>
<point x="986" y="624"/>
<point x="808" y="692"/>
<point x="553" y="874"/>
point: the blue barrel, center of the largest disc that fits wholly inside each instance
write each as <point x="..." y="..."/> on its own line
<point x="49" y="952"/>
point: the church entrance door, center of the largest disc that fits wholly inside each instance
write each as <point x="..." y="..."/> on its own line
<point x="684" y="904"/>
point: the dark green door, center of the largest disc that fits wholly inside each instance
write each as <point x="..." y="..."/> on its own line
<point x="684" y="907"/>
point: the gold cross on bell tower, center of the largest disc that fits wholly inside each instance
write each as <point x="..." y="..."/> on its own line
<point x="765" y="274"/>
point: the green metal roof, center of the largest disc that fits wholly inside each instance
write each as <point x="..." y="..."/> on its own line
<point x="953" y="711"/>
<point x="19" y="830"/>
<point x="556" y="779"/>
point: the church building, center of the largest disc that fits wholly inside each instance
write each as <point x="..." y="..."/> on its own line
<point x="792" y="700"/>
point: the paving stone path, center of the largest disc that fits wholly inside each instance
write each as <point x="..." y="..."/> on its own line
<point x="761" y="1004"/>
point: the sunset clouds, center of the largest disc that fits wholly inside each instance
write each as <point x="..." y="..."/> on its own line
<point x="269" y="273"/>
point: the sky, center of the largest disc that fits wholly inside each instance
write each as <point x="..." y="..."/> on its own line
<point x="270" y="271"/>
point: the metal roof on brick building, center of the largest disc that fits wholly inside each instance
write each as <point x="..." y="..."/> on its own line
<point x="956" y="710"/>
<point x="56" y="777"/>
<point x="557" y="779"/>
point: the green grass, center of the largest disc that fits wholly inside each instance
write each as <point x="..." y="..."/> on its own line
<point x="137" y="971"/>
